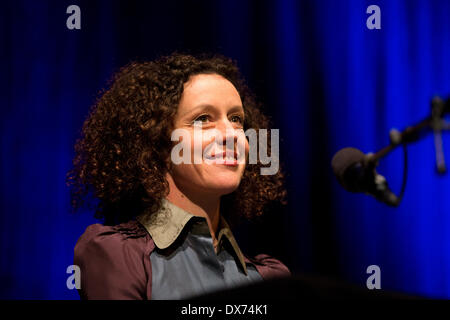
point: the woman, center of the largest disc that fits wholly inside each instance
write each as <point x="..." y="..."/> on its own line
<point x="166" y="231"/>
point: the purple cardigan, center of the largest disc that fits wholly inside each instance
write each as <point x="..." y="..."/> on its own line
<point x="115" y="262"/>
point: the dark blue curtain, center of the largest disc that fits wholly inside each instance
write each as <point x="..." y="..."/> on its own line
<point x="325" y="79"/>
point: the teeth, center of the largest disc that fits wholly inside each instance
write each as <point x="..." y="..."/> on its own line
<point x="223" y="158"/>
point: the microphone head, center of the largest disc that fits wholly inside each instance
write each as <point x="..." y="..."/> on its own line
<point x="356" y="174"/>
<point x="342" y="161"/>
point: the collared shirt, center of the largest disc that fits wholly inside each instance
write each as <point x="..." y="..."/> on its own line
<point x="185" y="263"/>
<point x="116" y="262"/>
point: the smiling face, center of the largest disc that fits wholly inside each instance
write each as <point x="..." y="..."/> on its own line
<point x="213" y="101"/>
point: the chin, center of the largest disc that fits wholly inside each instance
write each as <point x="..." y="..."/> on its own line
<point x="224" y="186"/>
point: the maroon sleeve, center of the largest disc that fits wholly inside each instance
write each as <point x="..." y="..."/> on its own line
<point x="113" y="264"/>
<point x="269" y="267"/>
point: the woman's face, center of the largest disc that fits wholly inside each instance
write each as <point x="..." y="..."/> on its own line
<point x="214" y="102"/>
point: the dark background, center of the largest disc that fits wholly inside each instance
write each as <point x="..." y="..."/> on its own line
<point x="326" y="80"/>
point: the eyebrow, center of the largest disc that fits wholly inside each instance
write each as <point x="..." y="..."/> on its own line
<point x="207" y="107"/>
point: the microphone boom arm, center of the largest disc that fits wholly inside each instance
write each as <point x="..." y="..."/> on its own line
<point x="434" y="123"/>
<point x="413" y="133"/>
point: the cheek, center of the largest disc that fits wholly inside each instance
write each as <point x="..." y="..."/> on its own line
<point x="243" y="147"/>
<point x="247" y="148"/>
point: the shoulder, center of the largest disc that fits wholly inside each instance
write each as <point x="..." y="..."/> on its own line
<point x="112" y="260"/>
<point x="269" y="267"/>
<point x="96" y="236"/>
<point x="123" y="231"/>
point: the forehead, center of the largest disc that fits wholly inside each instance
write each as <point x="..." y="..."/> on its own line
<point x="210" y="89"/>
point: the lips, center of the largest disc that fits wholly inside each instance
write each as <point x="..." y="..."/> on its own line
<point x="225" y="155"/>
<point x="228" y="158"/>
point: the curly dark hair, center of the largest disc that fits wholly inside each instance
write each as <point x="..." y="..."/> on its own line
<point x="121" y="157"/>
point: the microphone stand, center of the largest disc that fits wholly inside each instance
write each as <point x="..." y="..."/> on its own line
<point x="435" y="122"/>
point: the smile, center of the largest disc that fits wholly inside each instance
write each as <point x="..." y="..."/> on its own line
<point x="228" y="158"/>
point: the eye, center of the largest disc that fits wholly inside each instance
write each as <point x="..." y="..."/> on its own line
<point x="236" y="118"/>
<point x="202" y="118"/>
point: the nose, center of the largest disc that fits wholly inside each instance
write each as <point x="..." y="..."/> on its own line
<point x="228" y="132"/>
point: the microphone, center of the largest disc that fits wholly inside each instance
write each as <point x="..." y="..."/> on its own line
<point x="355" y="171"/>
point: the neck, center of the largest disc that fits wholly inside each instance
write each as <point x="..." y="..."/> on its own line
<point x="197" y="204"/>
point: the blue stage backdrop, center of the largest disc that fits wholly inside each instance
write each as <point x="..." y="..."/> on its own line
<point x="326" y="80"/>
